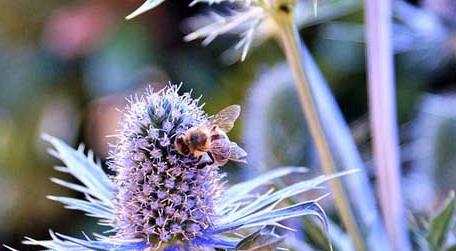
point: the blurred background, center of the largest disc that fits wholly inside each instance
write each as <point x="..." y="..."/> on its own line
<point x="66" y="66"/>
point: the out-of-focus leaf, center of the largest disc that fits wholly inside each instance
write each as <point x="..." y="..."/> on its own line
<point x="431" y="152"/>
<point x="441" y="225"/>
<point x="452" y="248"/>
<point x="262" y="240"/>
<point x="270" y="120"/>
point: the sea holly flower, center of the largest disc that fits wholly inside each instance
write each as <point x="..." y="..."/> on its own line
<point x="251" y="19"/>
<point x="245" y="18"/>
<point x="158" y="199"/>
<point x="151" y="4"/>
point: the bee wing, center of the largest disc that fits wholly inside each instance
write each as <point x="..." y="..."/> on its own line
<point x="225" y="118"/>
<point x="228" y="150"/>
<point x="237" y="153"/>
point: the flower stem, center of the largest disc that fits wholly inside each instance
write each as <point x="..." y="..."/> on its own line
<point x="382" y="107"/>
<point x="289" y="38"/>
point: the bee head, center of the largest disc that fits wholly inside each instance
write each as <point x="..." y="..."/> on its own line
<point x="180" y="139"/>
<point x="181" y="146"/>
<point x="198" y="138"/>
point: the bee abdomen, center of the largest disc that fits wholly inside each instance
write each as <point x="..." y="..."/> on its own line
<point x="215" y="137"/>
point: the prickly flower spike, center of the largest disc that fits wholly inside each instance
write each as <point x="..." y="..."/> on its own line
<point x="161" y="200"/>
<point x="161" y="195"/>
<point x="245" y="19"/>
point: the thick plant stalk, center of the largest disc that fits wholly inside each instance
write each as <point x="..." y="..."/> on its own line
<point x="382" y="107"/>
<point x="288" y="37"/>
<point x="347" y="156"/>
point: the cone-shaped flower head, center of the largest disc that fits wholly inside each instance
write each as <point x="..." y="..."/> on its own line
<point x="159" y="199"/>
<point x="161" y="195"/>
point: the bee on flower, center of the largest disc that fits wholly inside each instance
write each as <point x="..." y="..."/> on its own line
<point x="162" y="199"/>
<point x="211" y="138"/>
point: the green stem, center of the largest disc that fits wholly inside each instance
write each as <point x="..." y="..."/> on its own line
<point x="289" y="38"/>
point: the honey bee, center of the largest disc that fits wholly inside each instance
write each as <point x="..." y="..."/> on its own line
<point x="211" y="138"/>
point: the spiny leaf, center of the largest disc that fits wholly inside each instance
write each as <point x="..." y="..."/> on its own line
<point x="148" y="5"/>
<point x="84" y="168"/>
<point x="272" y="217"/>
<point x="238" y="191"/>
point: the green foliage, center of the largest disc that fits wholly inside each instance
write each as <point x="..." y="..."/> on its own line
<point x="452" y="248"/>
<point x="441" y="224"/>
<point x="263" y="239"/>
<point x="438" y="234"/>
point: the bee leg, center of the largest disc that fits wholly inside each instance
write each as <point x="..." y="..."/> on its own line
<point x="206" y="159"/>
<point x="198" y="160"/>
<point x="202" y="161"/>
<point x="211" y="156"/>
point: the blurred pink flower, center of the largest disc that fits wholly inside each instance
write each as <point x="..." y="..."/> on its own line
<point x="76" y="29"/>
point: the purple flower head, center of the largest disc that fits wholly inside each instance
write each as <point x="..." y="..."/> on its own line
<point x="170" y="182"/>
<point x="159" y="199"/>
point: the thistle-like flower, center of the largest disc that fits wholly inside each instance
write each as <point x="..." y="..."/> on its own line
<point x="246" y="17"/>
<point x="159" y="199"/>
<point x="161" y="195"/>
<point x="251" y="19"/>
